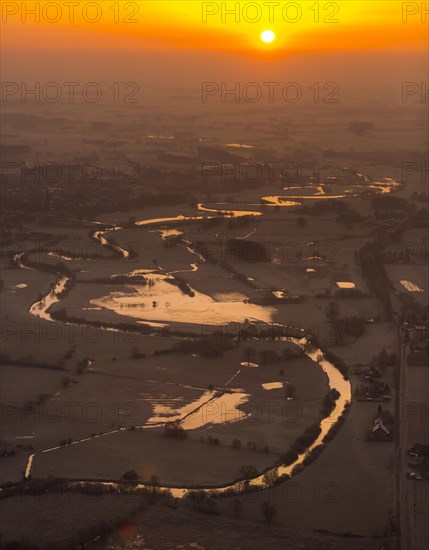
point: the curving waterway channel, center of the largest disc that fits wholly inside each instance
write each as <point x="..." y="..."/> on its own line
<point x="40" y="308"/>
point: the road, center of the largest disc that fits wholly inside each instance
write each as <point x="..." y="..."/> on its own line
<point x="411" y="497"/>
<point x="402" y="512"/>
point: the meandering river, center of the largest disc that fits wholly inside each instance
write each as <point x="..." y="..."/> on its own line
<point x="190" y="419"/>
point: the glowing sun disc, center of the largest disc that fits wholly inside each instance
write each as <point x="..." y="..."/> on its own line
<point x="268" y="36"/>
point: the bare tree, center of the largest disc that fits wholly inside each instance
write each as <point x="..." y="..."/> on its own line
<point x="332" y="311"/>
<point x="269" y="511"/>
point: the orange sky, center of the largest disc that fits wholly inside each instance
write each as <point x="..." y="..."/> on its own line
<point x="299" y="26"/>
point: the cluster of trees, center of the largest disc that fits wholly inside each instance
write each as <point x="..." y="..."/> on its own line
<point x="354" y="326"/>
<point x="66" y="381"/>
<point x="267" y="356"/>
<point x="203" y="501"/>
<point x="390" y="203"/>
<point x="82" y="364"/>
<point x="69" y="353"/>
<point x="206" y="347"/>
<point x="172" y="240"/>
<point x="62" y="315"/>
<point x="304" y="441"/>
<point x="175" y="430"/>
<point x="136" y="353"/>
<point x="328" y="402"/>
<point x="121" y="280"/>
<point x="211" y="440"/>
<point x="348" y="217"/>
<point x="310" y="435"/>
<point x="402" y="256"/>
<point x="336" y="427"/>
<point x="207" y="503"/>
<point x="130" y="476"/>
<point x="236" y="444"/>
<point x="57" y="485"/>
<point x="59" y="267"/>
<point x="338" y="362"/>
<point x="28" y="361"/>
<point x="338" y="328"/>
<point x="68" y="285"/>
<point x="385" y="359"/>
<point x="413" y="312"/>
<point x="370" y="256"/>
<point x="330" y="205"/>
<point x="290" y="457"/>
<point x="182" y="284"/>
<point x="31" y="404"/>
<point x="165" y="351"/>
<point x="248" y="472"/>
<point x="349" y="293"/>
<point x="7" y="452"/>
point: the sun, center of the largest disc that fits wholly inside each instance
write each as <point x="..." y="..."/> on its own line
<point x="268" y="36"/>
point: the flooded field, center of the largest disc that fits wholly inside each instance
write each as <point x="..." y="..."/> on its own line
<point x="165" y="302"/>
<point x="410" y="286"/>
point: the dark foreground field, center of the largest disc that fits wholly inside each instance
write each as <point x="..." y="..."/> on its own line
<point x="183" y="529"/>
<point x="65" y="521"/>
